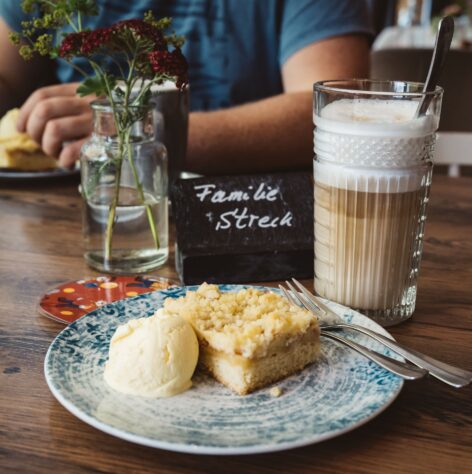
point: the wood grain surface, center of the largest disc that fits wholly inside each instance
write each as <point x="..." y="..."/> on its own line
<point x="427" y="429"/>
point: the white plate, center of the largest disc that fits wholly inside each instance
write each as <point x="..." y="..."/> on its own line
<point x="338" y="393"/>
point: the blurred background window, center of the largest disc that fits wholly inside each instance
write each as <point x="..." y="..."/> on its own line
<point x="402" y="50"/>
<point x="404" y="13"/>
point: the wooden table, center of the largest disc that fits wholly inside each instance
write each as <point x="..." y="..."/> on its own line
<point x="427" y="429"/>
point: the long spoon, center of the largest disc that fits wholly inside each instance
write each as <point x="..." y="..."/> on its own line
<point x="441" y="48"/>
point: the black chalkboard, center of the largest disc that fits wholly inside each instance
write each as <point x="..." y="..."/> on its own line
<point x="248" y="228"/>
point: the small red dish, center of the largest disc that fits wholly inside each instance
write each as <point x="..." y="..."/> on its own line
<point x="74" y="299"/>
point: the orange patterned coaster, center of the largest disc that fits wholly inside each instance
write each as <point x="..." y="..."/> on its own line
<point x="73" y="299"/>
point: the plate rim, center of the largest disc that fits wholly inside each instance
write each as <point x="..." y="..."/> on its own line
<point x="209" y="450"/>
<point x="18" y="175"/>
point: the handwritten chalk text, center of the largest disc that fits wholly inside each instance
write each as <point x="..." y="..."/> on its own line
<point x="243" y="220"/>
<point x="263" y="193"/>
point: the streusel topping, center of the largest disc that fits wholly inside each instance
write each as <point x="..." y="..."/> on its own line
<point x="244" y="322"/>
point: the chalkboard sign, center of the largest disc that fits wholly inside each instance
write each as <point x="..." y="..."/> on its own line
<point x="235" y="229"/>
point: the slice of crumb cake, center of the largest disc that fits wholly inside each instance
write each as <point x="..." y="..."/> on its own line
<point x="250" y="338"/>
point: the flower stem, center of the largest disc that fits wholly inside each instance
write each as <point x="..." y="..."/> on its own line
<point x="71" y="23"/>
<point x="152" y="224"/>
<point x="114" y="203"/>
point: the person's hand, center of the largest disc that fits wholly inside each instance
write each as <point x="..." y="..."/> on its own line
<point x="58" y="119"/>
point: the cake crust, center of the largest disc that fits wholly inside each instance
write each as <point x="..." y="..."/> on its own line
<point x="246" y="375"/>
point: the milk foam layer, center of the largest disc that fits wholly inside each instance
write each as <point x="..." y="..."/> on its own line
<point x="375" y="117"/>
<point x="373" y="145"/>
<point x="370" y="111"/>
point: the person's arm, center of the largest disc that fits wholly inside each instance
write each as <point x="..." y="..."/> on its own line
<point x="18" y="78"/>
<point x="267" y="135"/>
<point x="275" y="133"/>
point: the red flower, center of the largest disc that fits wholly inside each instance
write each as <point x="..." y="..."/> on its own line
<point x="84" y="43"/>
<point x="171" y="63"/>
<point x="152" y="59"/>
<point x="72" y="44"/>
<point x="95" y="40"/>
<point x="87" y="43"/>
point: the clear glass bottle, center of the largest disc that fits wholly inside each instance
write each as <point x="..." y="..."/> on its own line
<point x="125" y="193"/>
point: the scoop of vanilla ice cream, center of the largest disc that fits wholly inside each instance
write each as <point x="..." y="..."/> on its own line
<point x="152" y="357"/>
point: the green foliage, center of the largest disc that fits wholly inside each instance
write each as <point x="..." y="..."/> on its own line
<point x="175" y="40"/>
<point x="26" y="52"/>
<point x="60" y="8"/>
<point x="15" y="38"/>
<point x="28" y="6"/>
<point x="85" y="7"/>
<point x="44" y="44"/>
<point x="50" y="15"/>
<point x="164" y="24"/>
<point x="53" y="53"/>
<point x="161" y="23"/>
<point x="98" y="85"/>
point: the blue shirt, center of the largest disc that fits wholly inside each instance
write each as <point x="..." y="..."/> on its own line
<point x="235" y="48"/>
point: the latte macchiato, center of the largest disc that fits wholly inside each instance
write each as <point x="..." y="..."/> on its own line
<point x="371" y="184"/>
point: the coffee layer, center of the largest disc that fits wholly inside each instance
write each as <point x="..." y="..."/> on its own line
<point x="366" y="245"/>
<point x="371" y="180"/>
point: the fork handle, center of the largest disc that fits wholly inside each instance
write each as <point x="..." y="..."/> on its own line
<point x="399" y="368"/>
<point x="446" y="373"/>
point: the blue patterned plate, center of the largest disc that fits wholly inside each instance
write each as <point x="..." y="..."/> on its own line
<point x="338" y="393"/>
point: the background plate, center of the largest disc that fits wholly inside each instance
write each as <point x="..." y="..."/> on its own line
<point x="6" y="174"/>
<point x="338" y="393"/>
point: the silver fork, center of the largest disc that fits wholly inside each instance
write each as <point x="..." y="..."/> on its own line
<point x="329" y="320"/>
<point x="404" y="370"/>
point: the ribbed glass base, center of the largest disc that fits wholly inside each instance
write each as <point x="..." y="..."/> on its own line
<point x="126" y="262"/>
<point x="395" y="315"/>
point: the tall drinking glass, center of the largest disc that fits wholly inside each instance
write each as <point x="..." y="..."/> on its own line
<point x="372" y="171"/>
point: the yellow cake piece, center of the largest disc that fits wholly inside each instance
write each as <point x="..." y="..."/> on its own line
<point x="18" y="150"/>
<point x="250" y="338"/>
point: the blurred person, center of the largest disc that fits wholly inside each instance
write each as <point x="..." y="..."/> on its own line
<point x="252" y="65"/>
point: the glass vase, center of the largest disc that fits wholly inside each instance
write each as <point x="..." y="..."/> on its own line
<point x="124" y="191"/>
